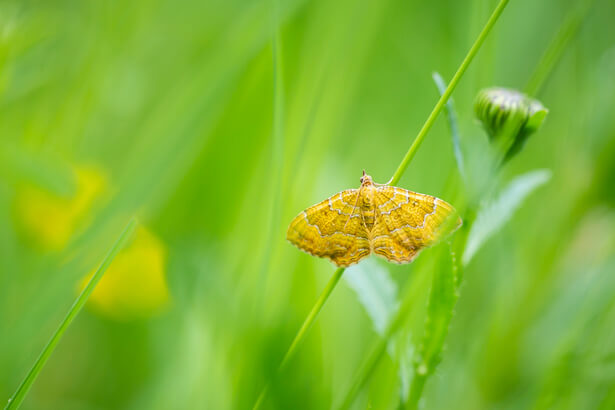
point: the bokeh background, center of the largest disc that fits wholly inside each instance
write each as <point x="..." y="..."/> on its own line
<point x="215" y="123"/>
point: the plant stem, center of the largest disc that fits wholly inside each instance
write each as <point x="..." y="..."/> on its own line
<point x="307" y="323"/>
<point x="277" y="154"/>
<point x="556" y="49"/>
<point x="313" y="313"/>
<point x="449" y="110"/>
<point x="416" y="390"/>
<point x="396" y="176"/>
<point x="17" y="398"/>
<point x="449" y="90"/>
<point x="380" y="347"/>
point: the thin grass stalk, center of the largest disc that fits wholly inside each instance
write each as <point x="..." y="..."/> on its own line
<point x="555" y="51"/>
<point x="307" y="323"/>
<point x="379" y="349"/>
<point x="453" y="126"/>
<point x="277" y="154"/>
<point x="449" y="90"/>
<point x="17" y="398"/>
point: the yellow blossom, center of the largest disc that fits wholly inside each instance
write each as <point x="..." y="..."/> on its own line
<point x="51" y="219"/>
<point x="134" y="285"/>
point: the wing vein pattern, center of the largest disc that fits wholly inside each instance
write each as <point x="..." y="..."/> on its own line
<point x="401" y="223"/>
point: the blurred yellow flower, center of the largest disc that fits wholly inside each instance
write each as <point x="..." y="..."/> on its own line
<point x="51" y="219"/>
<point x="135" y="285"/>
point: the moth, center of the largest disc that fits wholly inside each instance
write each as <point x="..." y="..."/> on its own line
<point x="389" y="221"/>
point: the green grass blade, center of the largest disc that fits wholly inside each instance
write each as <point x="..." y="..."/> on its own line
<point x="407" y="303"/>
<point x="556" y="49"/>
<point x="493" y="215"/>
<point x="447" y="93"/>
<point x="17" y="398"/>
<point x="276" y="169"/>
<point x="376" y="291"/>
<point x="449" y="109"/>
<point x="307" y="323"/>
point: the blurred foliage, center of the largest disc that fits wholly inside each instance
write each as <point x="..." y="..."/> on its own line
<point x="190" y="116"/>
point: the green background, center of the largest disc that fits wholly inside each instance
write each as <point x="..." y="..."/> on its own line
<point x="217" y="122"/>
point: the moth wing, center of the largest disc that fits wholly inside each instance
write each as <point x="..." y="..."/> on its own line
<point x="408" y="222"/>
<point x="332" y="229"/>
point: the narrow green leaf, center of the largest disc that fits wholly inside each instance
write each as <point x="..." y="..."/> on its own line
<point x="378" y="294"/>
<point x="404" y="356"/>
<point x="440" y="308"/>
<point x="453" y="125"/>
<point x="376" y="291"/>
<point x="493" y="215"/>
<point x="17" y="398"/>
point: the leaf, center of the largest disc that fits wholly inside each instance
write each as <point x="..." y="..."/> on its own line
<point x="452" y="124"/>
<point x="442" y="301"/>
<point x="440" y="308"/>
<point x="493" y="215"/>
<point x="405" y="361"/>
<point x="376" y="291"/>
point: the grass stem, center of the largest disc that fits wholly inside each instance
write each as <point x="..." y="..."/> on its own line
<point x="447" y="93"/>
<point x="17" y="398"/>
<point x="378" y="351"/>
<point x="307" y="323"/>
<point x="368" y="366"/>
<point x="449" y="110"/>
<point x="556" y="49"/>
<point x="396" y="176"/>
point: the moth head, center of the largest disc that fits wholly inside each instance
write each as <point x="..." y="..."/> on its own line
<point x="366" y="179"/>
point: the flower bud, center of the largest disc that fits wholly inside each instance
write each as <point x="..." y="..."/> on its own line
<point x="509" y="117"/>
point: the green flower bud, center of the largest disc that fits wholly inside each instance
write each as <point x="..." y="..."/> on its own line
<point x="509" y="117"/>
